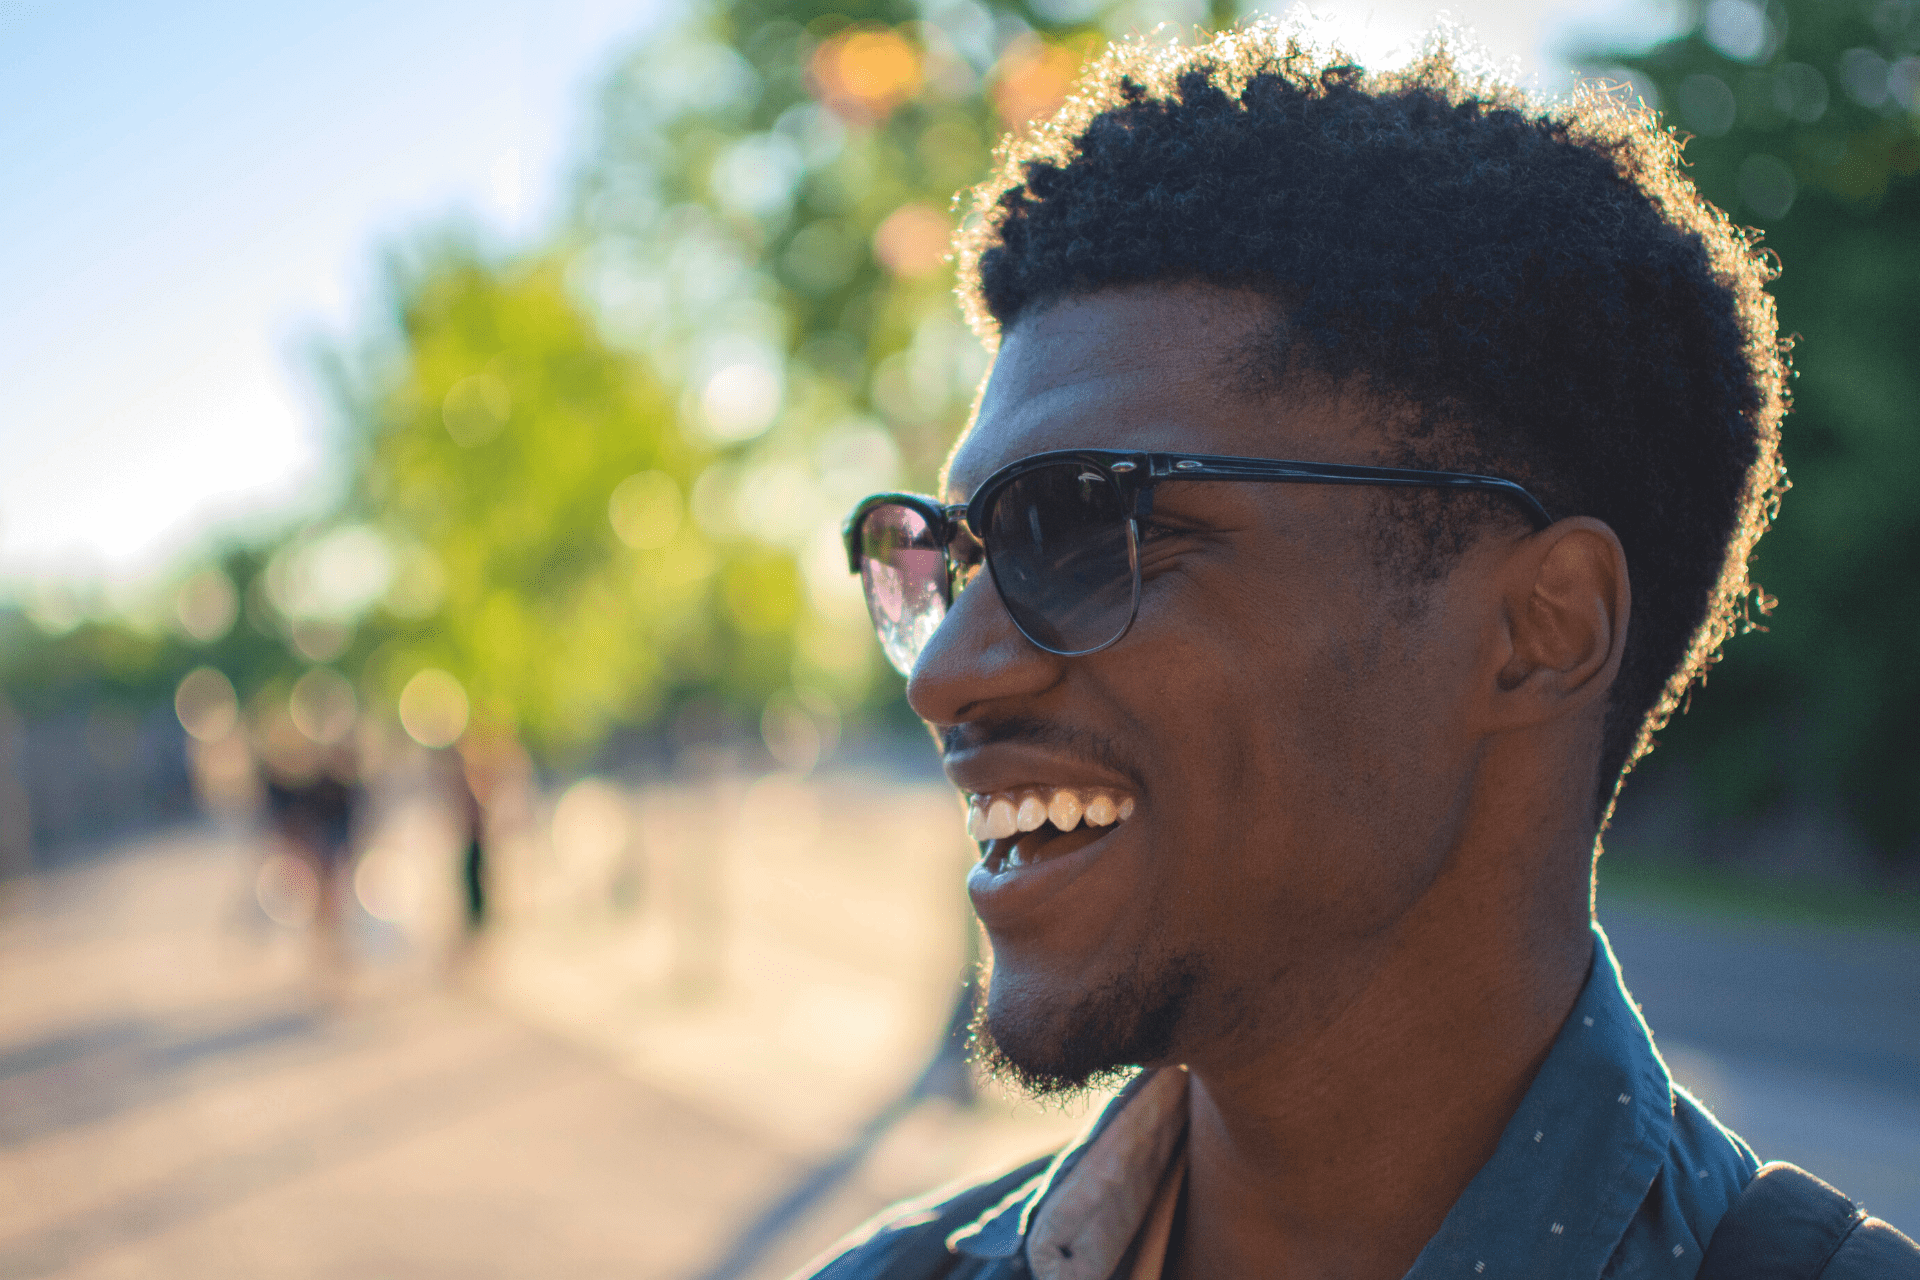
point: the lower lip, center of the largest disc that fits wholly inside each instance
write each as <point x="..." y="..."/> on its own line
<point x="1005" y="897"/>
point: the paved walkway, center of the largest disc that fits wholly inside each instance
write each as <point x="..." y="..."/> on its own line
<point x="176" y="1100"/>
<point x="179" y="1096"/>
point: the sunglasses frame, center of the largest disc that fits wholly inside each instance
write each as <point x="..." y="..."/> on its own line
<point x="1135" y="474"/>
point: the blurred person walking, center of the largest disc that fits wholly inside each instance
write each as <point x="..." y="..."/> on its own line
<point x="485" y="779"/>
<point x="314" y="799"/>
<point x="455" y="773"/>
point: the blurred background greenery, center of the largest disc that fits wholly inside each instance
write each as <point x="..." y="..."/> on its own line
<point x="1803" y="124"/>
<point x="595" y="483"/>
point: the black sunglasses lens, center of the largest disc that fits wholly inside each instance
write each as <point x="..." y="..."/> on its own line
<point x="1061" y="549"/>
<point x="904" y="571"/>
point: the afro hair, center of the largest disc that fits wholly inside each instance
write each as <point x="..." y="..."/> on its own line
<point x="1539" y="286"/>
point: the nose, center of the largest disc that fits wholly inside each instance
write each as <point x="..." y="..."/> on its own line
<point x="977" y="658"/>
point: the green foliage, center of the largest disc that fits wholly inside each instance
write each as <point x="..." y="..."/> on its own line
<point x="534" y="481"/>
<point x="111" y="662"/>
<point x="605" y="477"/>
<point x="749" y="320"/>
<point x="94" y="664"/>
<point x="1802" y="116"/>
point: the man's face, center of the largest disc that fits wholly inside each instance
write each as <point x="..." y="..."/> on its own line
<point x="1284" y="715"/>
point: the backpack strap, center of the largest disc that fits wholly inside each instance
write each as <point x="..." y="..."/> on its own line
<point x="1789" y="1225"/>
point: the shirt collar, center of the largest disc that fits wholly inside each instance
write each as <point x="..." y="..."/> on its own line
<point x="1568" y="1174"/>
<point x="1121" y="1155"/>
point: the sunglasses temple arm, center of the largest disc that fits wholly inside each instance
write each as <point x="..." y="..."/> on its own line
<point x="1486" y="484"/>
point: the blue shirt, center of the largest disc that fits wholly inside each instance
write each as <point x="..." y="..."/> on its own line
<point x="1606" y="1170"/>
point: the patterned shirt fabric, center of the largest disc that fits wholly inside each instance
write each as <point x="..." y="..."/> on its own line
<point x="1606" y="1170"/>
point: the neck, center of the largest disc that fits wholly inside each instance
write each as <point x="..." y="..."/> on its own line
<point x="1339" y="1151"/>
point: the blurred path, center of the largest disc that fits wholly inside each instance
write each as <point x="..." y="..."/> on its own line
<point x="176" y="1101"/>
<point x="178" y="1096"/>
<point x="1805" y="1039"/>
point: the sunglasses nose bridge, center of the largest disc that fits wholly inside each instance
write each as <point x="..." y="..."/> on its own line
<point x="963" y="534"/>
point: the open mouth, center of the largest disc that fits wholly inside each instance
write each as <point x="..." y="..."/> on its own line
<point x="1021" y="827"/>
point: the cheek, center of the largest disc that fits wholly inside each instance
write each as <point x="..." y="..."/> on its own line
<point x="1246" y="682"/>
<point x="1295" y="738"/>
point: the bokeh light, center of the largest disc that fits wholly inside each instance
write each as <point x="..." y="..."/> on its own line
<point x="1740" y="29"/>
<point x="1032" y="80"/>
<point x="389" y="885"/>
<point x="206" y="704"/>
<point x="207" y="605"/>
<point x="476" y="409"/>
<point x="864" y="74"/>
<point x="913" y="241"/>
<point x="332" y="575"/>
<point x="740" y="401"/>
<point x="322" y="706"/>
<point x="287" y="890"/>
<point x="418" y="585"/>
<point x="646" y="509"/>
<point x="800" y="728"/>
<point x="433" y="708"/>
<point x="587" y="519"/>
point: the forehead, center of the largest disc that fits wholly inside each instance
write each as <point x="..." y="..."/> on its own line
<point x="1150" y="367"/>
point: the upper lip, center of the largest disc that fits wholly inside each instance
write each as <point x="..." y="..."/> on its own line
<point x="1010" y="766"/>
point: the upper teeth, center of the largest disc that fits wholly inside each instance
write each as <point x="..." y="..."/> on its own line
<point x="1000" y="814"/>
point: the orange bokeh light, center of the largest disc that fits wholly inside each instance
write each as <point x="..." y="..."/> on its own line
<point x="1032" y="81"/>
<point x="864" y="73"/>
<point x="913" y="241"/>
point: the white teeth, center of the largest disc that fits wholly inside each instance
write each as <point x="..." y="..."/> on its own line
<point x="997" y="816"/>
<point x="1031" y="814"/>
<point x="1065" y="809"/>
<point x="1101" y="811"/>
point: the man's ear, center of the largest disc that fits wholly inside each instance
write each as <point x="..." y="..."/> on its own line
<point x="1565" y="602"/>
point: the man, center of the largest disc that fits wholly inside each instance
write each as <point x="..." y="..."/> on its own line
<point x="1367" y="466"/>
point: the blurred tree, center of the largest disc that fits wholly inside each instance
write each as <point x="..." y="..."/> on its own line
<point x="767" y="215"/>
<point x="530" y="486"/>
<point x="1802" y="116"/>
<point x="105" y="659"/>
<point x="747" y="324"/>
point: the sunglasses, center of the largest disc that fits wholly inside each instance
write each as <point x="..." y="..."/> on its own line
<point x="1061" y="533"/>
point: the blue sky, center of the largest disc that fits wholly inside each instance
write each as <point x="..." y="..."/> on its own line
<point x="190" y="193"/>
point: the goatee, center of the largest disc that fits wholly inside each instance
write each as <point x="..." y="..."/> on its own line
<point x="1094" y="1042"/>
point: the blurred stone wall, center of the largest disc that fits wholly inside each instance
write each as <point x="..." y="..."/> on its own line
<point x="71" y="782"/>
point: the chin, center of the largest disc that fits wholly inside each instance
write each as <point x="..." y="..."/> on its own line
<point x="1051" y="1041"/>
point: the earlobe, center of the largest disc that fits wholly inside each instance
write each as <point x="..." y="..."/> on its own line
<point x="1566" y="603"/>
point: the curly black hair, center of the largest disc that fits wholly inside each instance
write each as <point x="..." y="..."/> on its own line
<point x="1540" y="290"/>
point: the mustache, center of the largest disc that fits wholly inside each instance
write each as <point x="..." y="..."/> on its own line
<point x="1069" y="740"/>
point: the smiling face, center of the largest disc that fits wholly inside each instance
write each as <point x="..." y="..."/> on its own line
<point x="1283" y="727"/>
